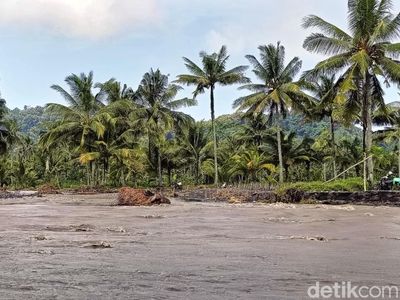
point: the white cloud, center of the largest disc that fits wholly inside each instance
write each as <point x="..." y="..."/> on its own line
<point x="80" y="18"/>
<point x="259" y="25"/>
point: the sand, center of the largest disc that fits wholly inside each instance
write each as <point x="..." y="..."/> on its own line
<point x="80" y="247"/>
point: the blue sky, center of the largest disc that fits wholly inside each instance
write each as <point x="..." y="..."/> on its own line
<point x="42" y="41"/>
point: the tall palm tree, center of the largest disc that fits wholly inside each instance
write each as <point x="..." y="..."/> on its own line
<point x="212" y="72"/>
<point x="276" y="93"/>
<point x="156" y="97"/>
<point x="78" y="122"/>
<point x="325" y="89"/>
<point x="359" y="56"/>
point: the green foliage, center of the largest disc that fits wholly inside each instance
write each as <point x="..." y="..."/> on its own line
<point x="363" y="58"/>
<point x="212" y="73"/>
<point x="111" y="135"/>
<point x="348" y="185"/>
<point x="30" y="120"/>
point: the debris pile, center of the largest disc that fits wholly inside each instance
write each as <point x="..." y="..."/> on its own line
<point x="48" y="189"/>
<point x="139" y="197"/>
<point x="235" y="195"/>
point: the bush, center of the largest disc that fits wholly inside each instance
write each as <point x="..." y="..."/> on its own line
<point x="346" y="185"/>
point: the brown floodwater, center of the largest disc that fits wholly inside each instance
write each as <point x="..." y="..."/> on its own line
<point x="80" y="247"/>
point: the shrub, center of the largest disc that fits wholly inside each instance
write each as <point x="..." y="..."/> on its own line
<point x="346" y="185"/>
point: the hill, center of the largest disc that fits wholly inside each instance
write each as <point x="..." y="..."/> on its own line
<point x="30" y="120"/>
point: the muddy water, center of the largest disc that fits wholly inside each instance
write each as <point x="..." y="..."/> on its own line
<point x="79" y="247"/>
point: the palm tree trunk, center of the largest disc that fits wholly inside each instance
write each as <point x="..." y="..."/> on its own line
<point x="398" y="151"/>
<point x="160" y="179"/>
<point x="333" y="146"/>
<point x="88" y="174"/>
<point x="47" y="170"/>
<point x="93" y="180"/>
<point x="214" y="135"/>
<point x="367" y="126"/>
<point x="370" y="164"/>
<point x="196" y="169"/>
<point x="287" y="172"/>
<point x="169" y="170"/>
<point x="279" y="141"/>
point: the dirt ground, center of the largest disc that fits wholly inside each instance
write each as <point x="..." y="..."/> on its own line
<point x="80" y="247"/>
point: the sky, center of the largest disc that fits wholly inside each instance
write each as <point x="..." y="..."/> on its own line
<point x="43" y="41"/>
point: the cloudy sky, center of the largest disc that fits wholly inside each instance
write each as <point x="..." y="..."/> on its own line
<point x="42" y="41"/>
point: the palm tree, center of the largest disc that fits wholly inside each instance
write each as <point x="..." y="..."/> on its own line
<point x="194" y="142"/>
<point x="112" y="91"/>
<point x="253" y="131"/>
<point x="391" y="133"/>
<point x="294" y="151"/>
<point x="360" y="57"/>
<point x="276" y="93"/>
<point x="251" y="164"/>
<point x="156" y="98"/>
<point x="325" y="90"/>
<point x="212" y="73"/>
<point x="349" y="151"/>
<point x="78" y="122"/>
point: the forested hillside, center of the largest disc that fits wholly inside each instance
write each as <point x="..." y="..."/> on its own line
<point x="30" y="120"/>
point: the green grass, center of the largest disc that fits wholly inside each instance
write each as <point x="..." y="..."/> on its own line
<point x="347" y="185"/>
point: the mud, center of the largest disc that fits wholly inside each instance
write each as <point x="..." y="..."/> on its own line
<point x="85" y="247"/>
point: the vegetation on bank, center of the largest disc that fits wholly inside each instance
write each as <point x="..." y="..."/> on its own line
<point x="292" y="125"/>
<point x="348" y="185"/>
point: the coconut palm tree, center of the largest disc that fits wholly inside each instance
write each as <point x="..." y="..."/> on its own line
<point x="112" y="91"/>
<point x="158" y="110"/>
<point x="391" y="133"/>
<point x="325" y="90"/>
<point x="253" y="131"/>
<point x="360" y="56"/>
<point x="294" y="151"/>
<point x="251" y="165"/>
<point x="276" y="92"/>
<point x="78" y="122"/>
<point x="212" y="72"/>
<point x="194" y="143"/>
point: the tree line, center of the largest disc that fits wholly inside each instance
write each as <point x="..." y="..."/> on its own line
<point x="111" y="134"/>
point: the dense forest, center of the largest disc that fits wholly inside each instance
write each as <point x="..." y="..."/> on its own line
<point x="293" y="124"/>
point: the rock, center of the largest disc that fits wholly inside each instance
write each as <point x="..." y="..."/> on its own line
<point x="40" y="237"/>
<point x="119" y="229"/>
<point x="46" y="252"/>
<point x="100" y="245"/>
<point x="158" y="198"/>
